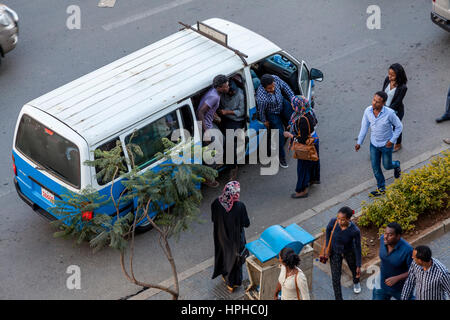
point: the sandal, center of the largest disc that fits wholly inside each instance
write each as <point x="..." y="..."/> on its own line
<point x="295" y="196"/>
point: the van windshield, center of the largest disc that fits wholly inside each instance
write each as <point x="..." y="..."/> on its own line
<point x="50" y="151"/>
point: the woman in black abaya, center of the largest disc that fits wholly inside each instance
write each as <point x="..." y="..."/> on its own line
<point x="229" y="217"/>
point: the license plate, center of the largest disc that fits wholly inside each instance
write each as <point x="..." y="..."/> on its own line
<point x="48" y="195"/>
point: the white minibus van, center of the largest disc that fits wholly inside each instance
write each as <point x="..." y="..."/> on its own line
<point x="151" y="93"/>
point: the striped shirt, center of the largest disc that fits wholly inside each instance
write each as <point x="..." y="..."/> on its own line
<point x="431" y="284"/>
<point x="272" y="103"/>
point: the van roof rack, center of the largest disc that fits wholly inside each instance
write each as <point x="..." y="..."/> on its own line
<point x="216" y="36"/>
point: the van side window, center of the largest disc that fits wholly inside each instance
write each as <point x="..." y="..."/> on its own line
<point x="148" y="138"/>
<point x="107" y="147"/>
<point x="188" y="120"/>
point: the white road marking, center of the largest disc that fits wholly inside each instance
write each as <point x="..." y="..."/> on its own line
<point x="106" y="3"/>
<point x="145" y="14"/>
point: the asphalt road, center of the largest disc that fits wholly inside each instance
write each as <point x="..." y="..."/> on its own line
<point x="329" y="35"/>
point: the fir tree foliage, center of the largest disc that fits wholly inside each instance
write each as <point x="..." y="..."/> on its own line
<point x="171" y="192"/>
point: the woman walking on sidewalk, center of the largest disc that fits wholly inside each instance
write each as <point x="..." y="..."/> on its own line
<point x="229" y="217"/>
<point x="301" y="124"/>
<point x="395" y="87"/>
<point x="292" y="281"/>
<point x="345" y="243"/>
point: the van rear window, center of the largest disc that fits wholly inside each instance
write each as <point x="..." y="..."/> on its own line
<point x="50" y="151"/>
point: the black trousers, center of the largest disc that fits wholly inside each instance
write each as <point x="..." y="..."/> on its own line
<point x="336" y="270"/>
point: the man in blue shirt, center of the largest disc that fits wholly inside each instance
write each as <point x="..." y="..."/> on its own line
<point x="381" y="120"/>
<point x="274" y="109"/>
<point x="396" y="258"/>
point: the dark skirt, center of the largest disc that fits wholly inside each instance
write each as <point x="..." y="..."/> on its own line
<point x="303" y="174"/>
<point x="234" y="277"/>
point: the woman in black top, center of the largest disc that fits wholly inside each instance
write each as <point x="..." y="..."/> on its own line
<point x="395" y="87"/>
<point x="345" y="243"/>
<point x="229" y="217"/>
<point x="302" y="123"/>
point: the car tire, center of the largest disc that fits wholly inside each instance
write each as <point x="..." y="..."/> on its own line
<point x="144" y="227"/>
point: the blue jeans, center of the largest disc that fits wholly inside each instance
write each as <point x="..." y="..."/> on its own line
<point x="447" y="105"/>
<point x="278" y="121"/>
<point x="380" y="294"/>
<point x="376" y="154"/>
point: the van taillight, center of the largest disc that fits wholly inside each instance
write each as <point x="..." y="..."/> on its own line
<point x="86" y="216"/>
<point x="14" y="165"/>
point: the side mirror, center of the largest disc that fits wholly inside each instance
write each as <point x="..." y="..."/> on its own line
<point x="316" y="75"/>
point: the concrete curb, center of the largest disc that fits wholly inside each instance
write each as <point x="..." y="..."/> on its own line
<point x="144" y="295"/>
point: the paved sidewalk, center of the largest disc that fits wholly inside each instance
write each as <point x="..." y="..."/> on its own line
<point x="200" y="286"/>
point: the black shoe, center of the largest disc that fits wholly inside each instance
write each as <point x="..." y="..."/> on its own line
<point x="441" y="119"/>
<point x="314" y="182"/>
<point x="377" y="193"/>
<point x="397" y="172"/>
<point x="283" y="163"/>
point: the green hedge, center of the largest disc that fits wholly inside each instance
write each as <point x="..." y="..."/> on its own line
<point x="420" y="191"/>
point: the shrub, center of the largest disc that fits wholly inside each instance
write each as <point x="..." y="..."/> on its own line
<point x="420" y="191"/>
<point x="364" y="247"/>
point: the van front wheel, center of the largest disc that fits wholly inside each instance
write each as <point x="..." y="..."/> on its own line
<point x="144" y="227"/>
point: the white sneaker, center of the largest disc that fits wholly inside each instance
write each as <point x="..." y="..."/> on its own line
<point x="357" y="287"/>
<point x="283" y="164"/>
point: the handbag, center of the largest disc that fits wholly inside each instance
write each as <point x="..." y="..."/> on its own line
<point x="307" y="150"/>
<point x="324" y="253"/>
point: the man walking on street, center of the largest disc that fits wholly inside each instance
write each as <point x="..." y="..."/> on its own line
<point x="428" y="276"/>
<point x="396" y="258"/>
<point x="274" y="109"/>
<point x="381" y="120"/>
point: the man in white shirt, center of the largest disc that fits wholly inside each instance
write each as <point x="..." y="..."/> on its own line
<point x="381" y="121"/>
